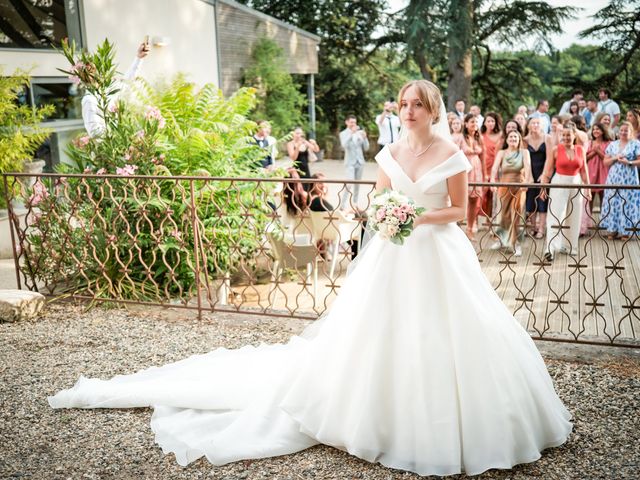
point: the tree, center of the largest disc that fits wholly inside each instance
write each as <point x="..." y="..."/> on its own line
<point x="279" y="99"/>
<point x="618" y="24"/>
<point x="466" y="27"/>
<point x="347" y="74"/>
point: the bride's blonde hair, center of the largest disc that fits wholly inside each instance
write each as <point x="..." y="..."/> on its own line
<point x="429" y="95"/>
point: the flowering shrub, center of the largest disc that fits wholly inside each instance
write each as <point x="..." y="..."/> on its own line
<point x="123" y="234"/>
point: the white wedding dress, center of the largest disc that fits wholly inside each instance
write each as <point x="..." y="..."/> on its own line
<point x="418" y="365"/>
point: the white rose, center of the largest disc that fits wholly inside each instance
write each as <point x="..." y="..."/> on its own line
<point x="383" y="231"/>
<point x="392" y="230"/>
<point x="392" y="221"/>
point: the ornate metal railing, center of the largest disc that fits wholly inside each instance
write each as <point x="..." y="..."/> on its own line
<point x="231" y="244"/>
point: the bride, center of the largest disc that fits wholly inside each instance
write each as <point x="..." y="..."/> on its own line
<point x="418" y="365"/>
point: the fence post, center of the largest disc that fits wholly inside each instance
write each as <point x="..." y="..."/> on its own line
<point x="10" y="219"/>
<point x="196" y="245"/>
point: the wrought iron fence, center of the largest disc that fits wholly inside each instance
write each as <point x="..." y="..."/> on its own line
<point x="279" y="247"/>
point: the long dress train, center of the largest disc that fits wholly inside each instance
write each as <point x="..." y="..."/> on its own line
<point x="418" y="365"/>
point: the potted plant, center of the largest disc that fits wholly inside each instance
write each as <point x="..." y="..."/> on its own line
<point x="20" y="131"/>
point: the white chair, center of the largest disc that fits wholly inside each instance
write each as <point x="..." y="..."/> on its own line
<point x="288" y="254"/>
<point x="335" y="228"/>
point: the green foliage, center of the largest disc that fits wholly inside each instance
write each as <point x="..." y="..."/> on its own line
<point x="135" y="238"/>
<point x="20" y="133"/>
<point x="279" y="99"/>
<point x="349" y="81"/>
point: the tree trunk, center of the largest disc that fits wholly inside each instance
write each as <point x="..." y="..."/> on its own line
<point x="460" y="50"/>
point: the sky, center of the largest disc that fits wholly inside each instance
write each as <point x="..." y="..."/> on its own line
<point x="571" y="27"/>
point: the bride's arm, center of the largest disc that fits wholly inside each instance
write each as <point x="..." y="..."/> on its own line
<point x="382" y="181"/>
<point x="458" y="188"/>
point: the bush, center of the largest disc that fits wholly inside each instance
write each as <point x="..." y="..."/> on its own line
<point x="20" y="134"/>
<point x="134" y="238"/>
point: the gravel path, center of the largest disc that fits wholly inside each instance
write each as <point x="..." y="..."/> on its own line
<point x="39" y="358"/>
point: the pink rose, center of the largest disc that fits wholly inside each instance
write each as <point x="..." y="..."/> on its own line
<point x="380" y="214"/>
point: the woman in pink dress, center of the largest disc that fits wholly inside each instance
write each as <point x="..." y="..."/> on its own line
<point x="492" y="139"/>
<point x="470" y="142"/>
<point x="598" y="171"/>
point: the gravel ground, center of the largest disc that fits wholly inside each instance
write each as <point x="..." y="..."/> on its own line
<point x="600" y="387"/>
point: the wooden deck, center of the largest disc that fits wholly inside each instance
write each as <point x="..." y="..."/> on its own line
<point x="594" y="297"/>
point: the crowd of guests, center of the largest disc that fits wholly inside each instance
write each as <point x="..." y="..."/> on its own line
<point x="587" y="142"/>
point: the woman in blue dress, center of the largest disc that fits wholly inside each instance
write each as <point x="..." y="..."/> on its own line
<point x="621" y="208"/>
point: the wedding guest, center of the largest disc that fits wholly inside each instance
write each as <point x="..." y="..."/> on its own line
<point x="565" y="204"/>
<point x="470" y="142"/>
<point x="541" y="112"/>
<point x="460" y="107"/>
<point x="293" y="210"/>
<point x="299" y="149"/>
<point x="450" y="117"/>
<point x="598" y="171"/>
<point x="388" y="126"/>
<point x="589" y="113"/>
<point x="354" y="141"/>
<point x="475" y="111"/>
<point x="537" y="145"/>
<point x="605" y="119"/>
<point x="492" y="139"/>
<point x="512" y="165"/>
<point x="574" y="109"/>
<point x="523" y="110"/>
<point x="511" y="126"/>
<point x="318" y="194"/>
<point x="621" y="208"/>
<point x="576" y="95"/>
<point x="581" y="130"/>
<point x="268" y="143"/>
<point x="582" y="107"/>
<point x="92" y="117"/>
<point x="456" y="128"/>
<point x="633" y="117"/>
<point x="555" y="133"/>
<point x="522" y="121"/>
<point x="609" y="106"/>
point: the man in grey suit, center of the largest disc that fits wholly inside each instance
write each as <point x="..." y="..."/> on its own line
<point x="354" y="142"/>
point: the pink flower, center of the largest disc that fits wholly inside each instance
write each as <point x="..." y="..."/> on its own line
<point x="140" y="134"/>
<point x="380" y="214"/>
<point x="113" y="107"/>
<point x="74" y="79"/>
<point x="127" y="156"/>
<point x="101" y="171"/>
<point x="40" y="193"/>
<point x="154" y="113"/>
<point x="402" y="217"/>
<point x="127" y="170"/>
<point x="87" y="169"/>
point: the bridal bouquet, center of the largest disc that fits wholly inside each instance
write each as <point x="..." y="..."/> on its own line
<point x="392" y="215"/>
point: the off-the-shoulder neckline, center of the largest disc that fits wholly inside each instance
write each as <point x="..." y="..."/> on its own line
<point x="418" y="180"/>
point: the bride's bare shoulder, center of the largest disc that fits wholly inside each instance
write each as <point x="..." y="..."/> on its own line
<point x="444" y="148"/>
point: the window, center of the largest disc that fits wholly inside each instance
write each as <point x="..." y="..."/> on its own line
<point x="38" y="24"/>
<point x="63" y="95"/>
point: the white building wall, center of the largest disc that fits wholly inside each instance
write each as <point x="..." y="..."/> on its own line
<point x="190" y="25"/>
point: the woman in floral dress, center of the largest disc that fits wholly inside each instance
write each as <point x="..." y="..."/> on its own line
<point x="621" y="208"/>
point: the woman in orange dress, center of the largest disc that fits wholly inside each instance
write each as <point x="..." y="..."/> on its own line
<point x="492" y="138"/>
<point x="470" y="142"/>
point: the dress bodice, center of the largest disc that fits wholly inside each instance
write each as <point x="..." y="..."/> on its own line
<point x="430" y="191"/>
